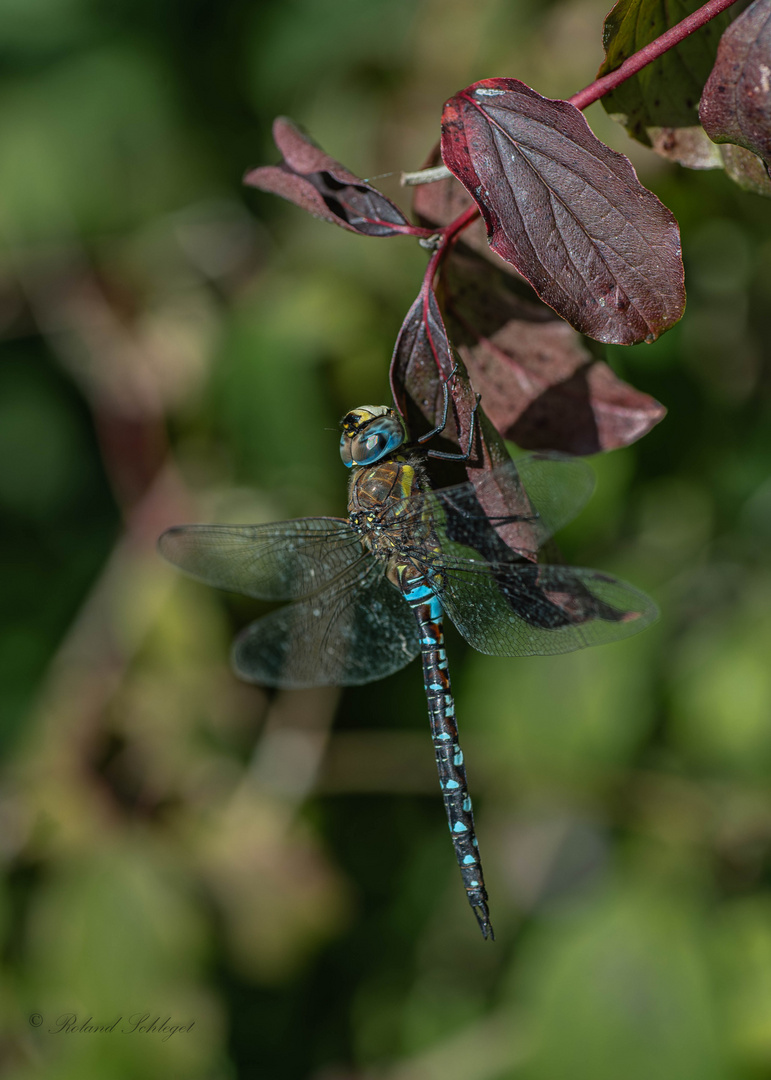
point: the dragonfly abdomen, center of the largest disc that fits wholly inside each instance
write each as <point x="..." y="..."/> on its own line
<point x="418" y="593"/>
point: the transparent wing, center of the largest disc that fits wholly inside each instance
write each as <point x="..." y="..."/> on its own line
<point x="524" y="501"/>
<point x="284" y="560"/>
<point x="558" y="486"/>
<point x="528" y="609"/>
<point x="357" y="630"/>
<point x="516" y="506"/>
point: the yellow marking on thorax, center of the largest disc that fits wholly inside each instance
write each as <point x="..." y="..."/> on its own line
<point x="407" y="478"/>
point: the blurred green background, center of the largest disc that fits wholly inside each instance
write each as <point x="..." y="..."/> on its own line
<point x="275" y="868"/>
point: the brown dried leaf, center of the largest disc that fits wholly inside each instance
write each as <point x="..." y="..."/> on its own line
<point x="688" y="146"/>
<point x="746" y="169"/>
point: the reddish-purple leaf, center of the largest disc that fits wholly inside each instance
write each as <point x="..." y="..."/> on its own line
<point x="422" y="362"/>
<point x="736" y="103"/>
<point x="567" y="211"/>
<point x="540" y="386"/>
<point x="316" y="182"/>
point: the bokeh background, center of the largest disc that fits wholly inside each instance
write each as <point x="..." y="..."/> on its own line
<point x="275" y="868"/>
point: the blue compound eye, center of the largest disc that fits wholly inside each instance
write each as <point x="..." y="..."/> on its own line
<point x="374" y="446"/>
<point x="345" y="450"/>
<point x="376" y="439"/>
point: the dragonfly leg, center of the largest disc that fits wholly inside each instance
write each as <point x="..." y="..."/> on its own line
<point x="446" y="405"/>
<point x="444" y="455"/>
<point x="449" y="756"/>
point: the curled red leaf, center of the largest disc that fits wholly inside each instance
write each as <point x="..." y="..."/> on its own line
<point x="736" y="102"/>
<point x="423" y="366"/>
<point x="422" y="361"/>
<point x="314" y="181"/>
<point x="567" y="211"/>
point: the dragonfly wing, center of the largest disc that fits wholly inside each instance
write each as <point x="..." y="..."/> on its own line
<point x="280" y="561"/>
<point x="357" y="630"/>
<point x="558" y="486"/>
<point x="516" y="506"/>
<point x="529" y="609"/>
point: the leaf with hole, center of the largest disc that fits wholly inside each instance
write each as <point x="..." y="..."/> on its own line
<point x="314" y="181"/>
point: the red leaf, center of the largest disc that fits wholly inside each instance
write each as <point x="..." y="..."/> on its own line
<point x="568" y="212"/>
<point x="736" y="103"/>
<point x="540" y="386"/>
<point x="316" y="182"/>
<point x="422" y="363"/>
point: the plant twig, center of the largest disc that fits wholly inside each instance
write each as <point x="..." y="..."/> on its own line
<point x="649" y="52"/>
<point x="425" y="176"/>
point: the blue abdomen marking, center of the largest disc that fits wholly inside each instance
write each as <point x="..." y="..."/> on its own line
<point x="435" y="609"/>
<point x="424" y="602"/>
<point x="419" y="592"/>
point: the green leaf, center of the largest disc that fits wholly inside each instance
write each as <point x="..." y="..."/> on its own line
<point x="666" y="93"/>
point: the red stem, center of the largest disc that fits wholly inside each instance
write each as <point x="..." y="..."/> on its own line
<point x="448" y="234"/>
<point x="458" y="224"/>
<point x="649" y="52"/>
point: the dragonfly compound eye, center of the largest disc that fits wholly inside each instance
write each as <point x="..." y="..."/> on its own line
<point x="369" y="434"/>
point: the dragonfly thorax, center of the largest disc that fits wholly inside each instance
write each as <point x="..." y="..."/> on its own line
<point x="370" y="433"/>
<point x="384" y="503"/>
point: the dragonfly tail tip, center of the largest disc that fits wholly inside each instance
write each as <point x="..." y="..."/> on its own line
<point x="483" y="918"/>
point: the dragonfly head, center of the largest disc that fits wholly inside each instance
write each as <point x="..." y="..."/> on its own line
<point x="369" y="434"/>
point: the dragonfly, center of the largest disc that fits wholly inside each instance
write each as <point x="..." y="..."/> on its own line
<point x="365" y="595"/>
